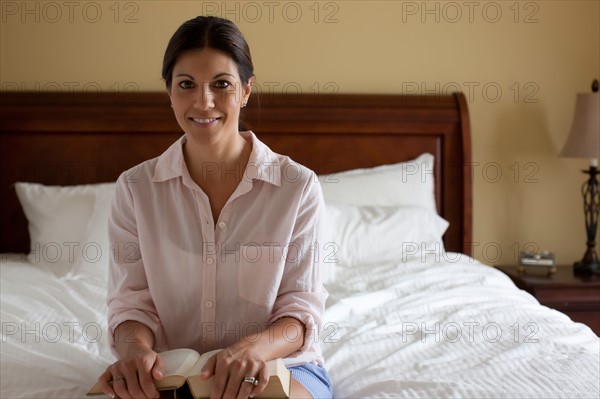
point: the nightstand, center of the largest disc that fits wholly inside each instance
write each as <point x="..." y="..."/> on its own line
<point x="576" y="296"/>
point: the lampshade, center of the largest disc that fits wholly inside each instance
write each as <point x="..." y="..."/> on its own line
<point x="584" y="138"/>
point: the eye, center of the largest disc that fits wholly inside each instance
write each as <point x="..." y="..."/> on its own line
<point x="186" y="84"/>
<point x="222" y="84"/>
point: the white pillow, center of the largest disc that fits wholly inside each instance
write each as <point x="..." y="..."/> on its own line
<point x="403" y="184"/>
<point x="58" y="217"/>
<point x="370" y="234"/>
<point x="95" y="250"/>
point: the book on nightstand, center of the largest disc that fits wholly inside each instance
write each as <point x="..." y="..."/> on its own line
<point x="544" y="261"/>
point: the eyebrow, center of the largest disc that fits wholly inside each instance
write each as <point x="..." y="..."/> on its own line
<point x="214" y="77"/>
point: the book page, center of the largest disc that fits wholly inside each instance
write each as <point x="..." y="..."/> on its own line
<point x="200" y="362"/>
<point x="179" y="361"/>
<point x="198" y="387"/>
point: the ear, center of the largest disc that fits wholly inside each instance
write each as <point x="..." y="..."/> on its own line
<point x="247" y="88"/>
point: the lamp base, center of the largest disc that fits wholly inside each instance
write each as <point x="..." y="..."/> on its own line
<point x="586" y="268"/>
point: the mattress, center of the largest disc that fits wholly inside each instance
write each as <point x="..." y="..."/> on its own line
<point x="417" y="328"/>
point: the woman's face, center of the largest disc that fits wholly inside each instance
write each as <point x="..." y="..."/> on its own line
<point x="207" y="94"/>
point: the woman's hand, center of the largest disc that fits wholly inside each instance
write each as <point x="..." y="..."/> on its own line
<point x="132" y="376"/>
<point x="230" y="366"/>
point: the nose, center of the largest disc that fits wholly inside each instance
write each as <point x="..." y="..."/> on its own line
<point x="204" y="97"/>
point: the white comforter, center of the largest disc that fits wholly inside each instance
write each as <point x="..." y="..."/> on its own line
<point x="412" y="330"/>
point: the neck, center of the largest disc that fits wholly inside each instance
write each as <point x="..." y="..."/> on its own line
<point x="209" y="162"/>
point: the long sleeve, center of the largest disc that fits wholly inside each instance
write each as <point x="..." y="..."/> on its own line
<point x="129" y="296"/>
<point x="301" y="293"/>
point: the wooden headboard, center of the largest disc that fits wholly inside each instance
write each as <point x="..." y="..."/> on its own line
<point x="75" y="138"/>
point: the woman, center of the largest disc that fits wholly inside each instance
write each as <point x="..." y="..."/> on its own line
<point x="214" y="241"/>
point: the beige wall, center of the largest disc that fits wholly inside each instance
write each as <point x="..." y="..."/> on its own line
<point x="519" y="63"/>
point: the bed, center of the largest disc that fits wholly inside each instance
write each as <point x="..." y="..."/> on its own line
<point x="410" y="313"/>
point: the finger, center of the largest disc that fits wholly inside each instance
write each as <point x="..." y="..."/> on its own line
<point x="147" y="384"/>
<point x="238" y="369"/>
<point x="263" y="380"/>
<point x="105" y="386"/>
<point x="120" y="387"/>
<point x="158" y="370"/>
<point x="132" y="384"/>
<point x="245" y="388"/>
<point x="209" y="368"/>
<point x="220" y="379"/>
<point x="144" y="367"/>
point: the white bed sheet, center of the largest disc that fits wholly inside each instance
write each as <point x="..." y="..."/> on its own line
<point x="53" y="342"/>
<point x="394" y="332"/>
<point x="373" y="338"/>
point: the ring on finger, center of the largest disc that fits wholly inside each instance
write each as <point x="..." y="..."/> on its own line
<point x="251" y="380"/>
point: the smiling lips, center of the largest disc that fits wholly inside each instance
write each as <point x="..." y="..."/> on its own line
<point x="204" y="121"/>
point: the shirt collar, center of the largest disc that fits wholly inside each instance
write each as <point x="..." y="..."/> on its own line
<point x="263" y="163"/>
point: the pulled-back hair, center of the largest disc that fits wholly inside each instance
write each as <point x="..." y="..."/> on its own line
<point x="208" y="32"/>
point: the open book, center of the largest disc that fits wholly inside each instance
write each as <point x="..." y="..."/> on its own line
<point x="184" y="365"/>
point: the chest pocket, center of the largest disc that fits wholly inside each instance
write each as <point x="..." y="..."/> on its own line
<point x="260" y="269"/>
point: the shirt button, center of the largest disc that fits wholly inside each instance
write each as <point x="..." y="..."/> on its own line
<point x="209" y="261"/>
<point x="208" y="304"/>
<point x="222" y="225"/>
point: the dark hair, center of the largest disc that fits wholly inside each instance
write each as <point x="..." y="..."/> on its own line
<point x="208" y="32"/>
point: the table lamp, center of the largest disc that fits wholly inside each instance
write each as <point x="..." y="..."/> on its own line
<point x="584" y="142"/>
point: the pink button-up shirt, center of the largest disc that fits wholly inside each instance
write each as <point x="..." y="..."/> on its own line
<point x="204" y="284"/>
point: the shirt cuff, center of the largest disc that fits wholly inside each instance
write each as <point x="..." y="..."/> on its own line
<point x="149" y="321"/>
